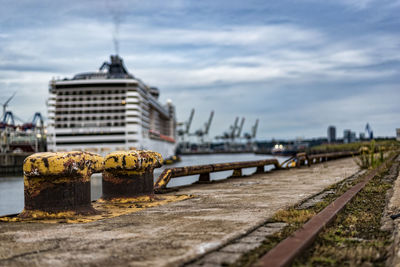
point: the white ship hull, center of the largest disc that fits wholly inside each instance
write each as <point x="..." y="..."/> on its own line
<point x="107" y="111"/>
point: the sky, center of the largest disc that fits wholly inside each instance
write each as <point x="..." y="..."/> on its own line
<point x="297" y="66"/>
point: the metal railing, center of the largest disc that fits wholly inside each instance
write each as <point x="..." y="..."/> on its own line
<point x="205" y="170"/>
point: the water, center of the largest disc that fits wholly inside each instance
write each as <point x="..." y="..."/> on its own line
<point x="12" y="188"/>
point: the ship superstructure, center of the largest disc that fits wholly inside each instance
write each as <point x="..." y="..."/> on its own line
<point x="109" y="110"/>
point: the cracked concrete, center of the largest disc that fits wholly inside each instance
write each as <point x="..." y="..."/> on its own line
<point x="176" y="233"/>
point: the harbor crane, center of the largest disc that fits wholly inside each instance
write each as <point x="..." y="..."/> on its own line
<point x="187" y="124"/>
<point x="253" y="133"/>
<point x="203" y="132"/>
<point x="240" y="128"/>
<point x="8" y="120"/>
<point x="6" y="104"/>
<point x="233" y="129"/>
<point x="185" y="132"/>
<point x="32" y="125"/>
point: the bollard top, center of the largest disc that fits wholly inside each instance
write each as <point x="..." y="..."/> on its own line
<point x="133" y="160"/>
<point x="62" y="163"/>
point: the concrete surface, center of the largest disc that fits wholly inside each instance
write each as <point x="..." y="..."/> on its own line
<point x="173" y="234"/>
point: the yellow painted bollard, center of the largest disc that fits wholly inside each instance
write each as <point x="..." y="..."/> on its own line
<point x="129" y="174"/>
<point x="59" y="182"/>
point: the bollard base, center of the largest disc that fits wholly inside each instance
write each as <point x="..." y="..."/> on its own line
<point x="127" y="186"/>
<point x="104" y="209"/>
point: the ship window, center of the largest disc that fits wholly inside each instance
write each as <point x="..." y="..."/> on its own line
<point x="66" y="93"/>
<point x="89" y="92"/>
<point x="72" y="125"/>
<point x="102" y="98"/>
<point x="93" y="118"/>
<point x="74" y="93"/>
<point x="116" y="117"/>
<point x="80" y="99"/>
<point x="94" y="105"/>
<point x="101" y="118"/>
<point x="109" y="124"/>
<point x="89" y="99"/>
<point x="108" y="117"/>
<point x="94" y="98"/>
<point x="72" y="119"/>
<point x="79" y="118"/>
<point x="123" y="124"/>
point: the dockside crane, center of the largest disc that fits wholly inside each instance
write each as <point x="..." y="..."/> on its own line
<point x="254" y="129"/>
<point x="6" y="104"/>
<point x="201" y="133"/>
<point x="233" y="128"/>
<point x="208" y="124"/>
<point x="189" y="123"/>
<point x="253" y="133"/>
<point x="185" y="132"/>
<point x="7" y="120"/>
<point x="240" y="128"/>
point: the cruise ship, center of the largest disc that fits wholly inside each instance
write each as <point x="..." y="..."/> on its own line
<point x="109" y="110"/>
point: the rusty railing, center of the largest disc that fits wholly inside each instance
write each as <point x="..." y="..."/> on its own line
<point x="205" y="170"/>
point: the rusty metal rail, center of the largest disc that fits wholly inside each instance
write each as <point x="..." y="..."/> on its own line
<point x="286" y="251"/>
<point x="205" y="170"/>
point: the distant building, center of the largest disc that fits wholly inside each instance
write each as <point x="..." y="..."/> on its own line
<point x="331" y="134"/>
<point x="349" y="136"/>
<point x="362" y="136"/>
<point x="398" y="134"/>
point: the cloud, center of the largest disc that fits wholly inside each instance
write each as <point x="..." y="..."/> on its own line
<point x="296" y="70"/>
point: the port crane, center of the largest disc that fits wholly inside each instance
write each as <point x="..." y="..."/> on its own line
<point x="6" y="104"/>
<point x="252" y="135"/>
<point x="185" y="132"/>
<point x="240" y="128"/>
<point x="233" y="129"/>
<point x="201" y="133"/>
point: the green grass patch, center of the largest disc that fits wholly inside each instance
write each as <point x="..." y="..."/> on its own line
<point x="354" y="237"/>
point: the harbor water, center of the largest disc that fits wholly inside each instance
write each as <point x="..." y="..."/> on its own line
<point x="12" y="188"/>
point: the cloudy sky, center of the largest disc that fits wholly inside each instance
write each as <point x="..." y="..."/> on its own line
<point x="298" y="66"/>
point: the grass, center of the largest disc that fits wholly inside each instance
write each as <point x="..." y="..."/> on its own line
<point x="382" y="144"/>
<point x="354" y="237"/>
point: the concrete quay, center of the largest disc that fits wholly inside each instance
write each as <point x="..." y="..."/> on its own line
<point x="175" y="233"/>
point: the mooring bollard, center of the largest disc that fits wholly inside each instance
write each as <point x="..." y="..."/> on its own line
<point x="129" y="174"/>
<point x="59" y="182"/>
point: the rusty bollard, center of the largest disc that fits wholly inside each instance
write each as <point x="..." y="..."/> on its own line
<point x="129" y="174"/>
<point x="59" y="183"/>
